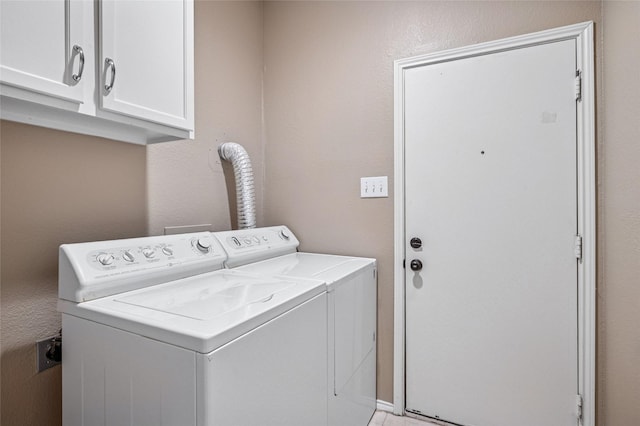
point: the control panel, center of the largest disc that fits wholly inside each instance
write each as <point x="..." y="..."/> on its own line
<point x="252" y="245"/>
<point x="97" y="269"/>
<point x="151" y="252"/>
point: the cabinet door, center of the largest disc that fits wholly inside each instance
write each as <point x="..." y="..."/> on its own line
<point x="147" y="60"/>
<point x="37" y="48"/>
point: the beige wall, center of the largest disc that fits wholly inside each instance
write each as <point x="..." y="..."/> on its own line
<point x="186" y="183"/>
<point x="57" y="188"/>
<point x="329" y="114"/>
<point x="619" y="284"/>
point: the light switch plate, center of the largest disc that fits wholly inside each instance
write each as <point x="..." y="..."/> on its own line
<point x="374" y="187"/>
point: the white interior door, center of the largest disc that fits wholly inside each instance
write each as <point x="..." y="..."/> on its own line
<point x="490" y="189"/>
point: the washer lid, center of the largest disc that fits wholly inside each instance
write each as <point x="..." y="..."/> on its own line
<point x="204" y="299"/>
<point x="200" y="313"/>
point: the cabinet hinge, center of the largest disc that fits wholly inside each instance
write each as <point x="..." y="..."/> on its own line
<point x="579" y="402"/>
<point x="578" y="248"/>
<point x="578" y="85"/>
<point x="404" y="263"/>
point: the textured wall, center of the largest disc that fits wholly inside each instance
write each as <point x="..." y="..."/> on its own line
<point x="619" y="285"/>
<point x="57" y="188"/>
<point x="329" y="114"/>
<point x="187" y="182"/>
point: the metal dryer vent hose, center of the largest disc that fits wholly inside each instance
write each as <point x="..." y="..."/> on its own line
<point x="245" y="191"/>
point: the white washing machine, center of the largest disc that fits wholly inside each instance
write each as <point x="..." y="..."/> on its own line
<point x="352" y="297"/>
<point x="154" y="333"/>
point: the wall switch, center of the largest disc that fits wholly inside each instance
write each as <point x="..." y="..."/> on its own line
<point x="374" y="187"/>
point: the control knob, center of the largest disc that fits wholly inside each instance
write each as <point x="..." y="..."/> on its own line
<point x="128" y="256"/>
<point x="203" y="245"/>
<point x="105" y="259"/>
<point x="149" y="253"/>
<point x="168" y="251"/>
<point x="284" y="235"/>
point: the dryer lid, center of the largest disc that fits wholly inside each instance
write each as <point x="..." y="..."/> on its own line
<point x="326" y="267"/>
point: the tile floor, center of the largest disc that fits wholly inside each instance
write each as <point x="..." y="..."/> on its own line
<point x="383" y="418"/>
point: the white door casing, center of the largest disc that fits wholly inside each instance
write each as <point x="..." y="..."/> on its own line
<point x="581" y="35"/>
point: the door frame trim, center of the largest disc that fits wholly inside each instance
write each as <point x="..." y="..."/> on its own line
<point x="586" y="192"/>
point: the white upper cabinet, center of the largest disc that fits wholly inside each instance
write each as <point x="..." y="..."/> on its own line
<point x="146" y="57"/>
<point x="120" y="69"/>
<point x="42" y="48"/>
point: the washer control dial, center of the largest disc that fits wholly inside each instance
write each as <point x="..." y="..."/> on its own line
<point x="105" y="259"/>
<point x="284" y="235"/>
<point x="149" y="253"/>
<point x="167" y="250"/>
<point x="128" y="256"/>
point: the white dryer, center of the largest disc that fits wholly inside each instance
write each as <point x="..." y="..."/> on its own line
<point x="352" y="300"/>
<point x="154" y="334"/>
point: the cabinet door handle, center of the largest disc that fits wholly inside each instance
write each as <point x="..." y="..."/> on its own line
<point x="78" y="50"/>
<point x="108" y="63"/>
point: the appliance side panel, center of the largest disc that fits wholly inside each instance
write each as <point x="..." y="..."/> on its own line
<point x="274" y="375"/>
<point x="355" y="323"/>
<point x="354" y="344"/>
<point x="114" y="377"/>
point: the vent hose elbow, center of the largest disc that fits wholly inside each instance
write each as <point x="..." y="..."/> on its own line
<point x="245" y="191"/>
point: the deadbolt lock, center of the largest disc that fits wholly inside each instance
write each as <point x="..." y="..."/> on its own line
<point x="415" y="242"/>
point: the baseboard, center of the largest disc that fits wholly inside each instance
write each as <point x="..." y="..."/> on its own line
<point x="384" y="406"/>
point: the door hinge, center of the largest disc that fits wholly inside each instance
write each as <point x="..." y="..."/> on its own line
<point x="579" y="403"/>
<point x="578" y="85"/>
<point x="578" y="248"/>
<point x="404" y="263"/>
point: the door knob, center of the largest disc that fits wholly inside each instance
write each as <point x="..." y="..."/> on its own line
<point x="415" y="265"/>
<point x="415" y="242"/>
